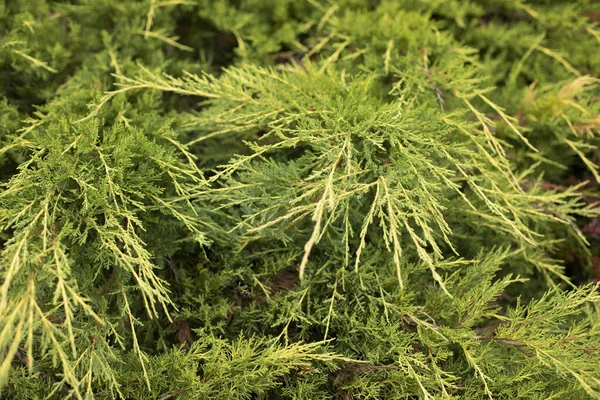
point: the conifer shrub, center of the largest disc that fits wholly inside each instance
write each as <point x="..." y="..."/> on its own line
<point x="299" y="199"/>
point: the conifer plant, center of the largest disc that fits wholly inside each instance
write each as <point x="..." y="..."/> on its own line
<point x="299" y="199"/>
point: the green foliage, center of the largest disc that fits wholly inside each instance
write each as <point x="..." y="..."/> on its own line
<point x="299" y="199"/>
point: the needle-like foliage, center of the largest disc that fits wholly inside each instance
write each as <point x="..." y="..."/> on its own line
<point x="315" y="199"/>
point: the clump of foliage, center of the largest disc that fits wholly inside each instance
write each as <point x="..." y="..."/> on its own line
<point x="317" y="199"/>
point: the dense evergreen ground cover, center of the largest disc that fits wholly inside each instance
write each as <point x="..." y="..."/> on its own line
<point x="299" y="199"/>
